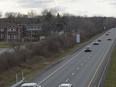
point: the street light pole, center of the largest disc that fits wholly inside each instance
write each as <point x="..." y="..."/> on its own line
<point x="7" y="35"/>
<point x="31" y="35"/>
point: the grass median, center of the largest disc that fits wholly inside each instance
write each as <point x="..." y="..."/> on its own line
<point x="111" y="77"/>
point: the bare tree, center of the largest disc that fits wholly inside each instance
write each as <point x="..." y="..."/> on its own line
<point x="32" y="14"/>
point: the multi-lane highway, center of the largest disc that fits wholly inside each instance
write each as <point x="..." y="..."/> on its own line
<point x="82" y="69"/>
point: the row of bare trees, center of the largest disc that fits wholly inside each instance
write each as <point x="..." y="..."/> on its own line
<point x="45" y="48"/>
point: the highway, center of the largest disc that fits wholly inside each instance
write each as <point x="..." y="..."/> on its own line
<point x="82" y="69"/>
<point x="2" y="50"/>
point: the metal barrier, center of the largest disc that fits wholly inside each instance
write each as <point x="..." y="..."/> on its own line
<point x="18" y="83"/>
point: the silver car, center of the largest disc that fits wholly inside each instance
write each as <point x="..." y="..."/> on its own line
<point x="66" y="85"/>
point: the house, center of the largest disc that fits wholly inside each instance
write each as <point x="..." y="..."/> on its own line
<point x="33" y="30"/>
<point x="9" y="32"/>
<point x="12" y="32"/>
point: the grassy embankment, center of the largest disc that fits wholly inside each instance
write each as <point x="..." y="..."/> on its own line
<point x="111" y="77"/>
<point x="5" y="45"/>
<point x="36" y="65"/>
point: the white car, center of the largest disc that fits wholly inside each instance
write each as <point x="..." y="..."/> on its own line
<point x="30" y="85"/>
<point x="66" y="85"/>
<point x="95" y="43"/>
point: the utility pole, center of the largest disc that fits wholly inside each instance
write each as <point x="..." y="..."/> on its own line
<point x="7" y="35"/>
<point x="31" y="34"/>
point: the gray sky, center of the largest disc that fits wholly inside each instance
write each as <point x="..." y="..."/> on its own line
<point x="76" y="7"/>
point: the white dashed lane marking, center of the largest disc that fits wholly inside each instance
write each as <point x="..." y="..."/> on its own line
<point x="85" y="60"/>
<point x="67" y="80"/>
<point x="73" y="74"/>
<point x="81" y="64"/>
<point x="78" y="68"/>
<point x="88" y="57"/>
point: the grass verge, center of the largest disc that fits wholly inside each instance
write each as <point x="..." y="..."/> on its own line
<point x="111" y="77"/>
<point x="5" y="45"/>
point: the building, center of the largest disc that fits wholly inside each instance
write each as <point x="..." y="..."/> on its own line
<point x="12" y="32"/>
<point x="33" y="30"/>
<point x="9" y="32"/>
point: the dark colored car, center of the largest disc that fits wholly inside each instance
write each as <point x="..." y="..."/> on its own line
<point x="99" y="40"/>
<point x="107" y="34"/>
<point x="87" y="49"/>
<point x="109" y="38"/>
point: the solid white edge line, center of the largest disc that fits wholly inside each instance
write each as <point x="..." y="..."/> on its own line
<point x="60" y="67"/>
<point x="67" y="80"/>
<point x="99" y="66"/>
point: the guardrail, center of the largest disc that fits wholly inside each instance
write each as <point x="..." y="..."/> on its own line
<point x="18" y="83"/>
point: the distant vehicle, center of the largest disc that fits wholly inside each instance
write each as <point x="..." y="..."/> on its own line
<point x="107" y="34"/>
<point x="87" y="49"/>
<point x="95" y="43"/>
<point x="30" y="85"/>
<point x="99" y="40"/>
<point x="66" y="85"/>
<point x="109" y="38"/>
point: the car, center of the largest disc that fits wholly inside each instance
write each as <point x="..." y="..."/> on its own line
<point x="109" y="38"/>
<point x="66" y="85"/>
<point x="30" y="85"/>
<point x="95" y="43"/>
<point x="99" y="40"/>
<point x="107" y="34"/>
<point x="87" y="49"/>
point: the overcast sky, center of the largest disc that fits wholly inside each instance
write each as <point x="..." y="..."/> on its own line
<point x="76" y="7"/>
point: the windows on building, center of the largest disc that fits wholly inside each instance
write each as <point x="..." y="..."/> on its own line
<point x="12" y="29"/>
<point x="15" y="36"/>
<point x="1" y="29"/>
<point x="2" y="36"/>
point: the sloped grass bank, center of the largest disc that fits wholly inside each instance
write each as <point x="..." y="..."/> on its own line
<point x="111" y="77"/>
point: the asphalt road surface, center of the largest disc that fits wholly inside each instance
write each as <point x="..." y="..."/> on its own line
<point x="82" y="69"/>
<point x="2" y="50"/>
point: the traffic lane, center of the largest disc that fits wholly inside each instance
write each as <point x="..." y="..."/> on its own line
<point x="61" y="75"/>
<point x="45" y="74"/>
<point x="73" y="68"/>
<point x="81" y="78"/>
<point x="91" y="43"/>
<point x="96" y="73"/>
<point x="75" y="60"/>
<point x="55" y="67"/>
<point x="98" y="79"/>
<point x="59" y="64"/>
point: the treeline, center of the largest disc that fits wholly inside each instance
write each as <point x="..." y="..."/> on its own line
<point x="46" y="48"/>
<point x="52" y="22"/>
